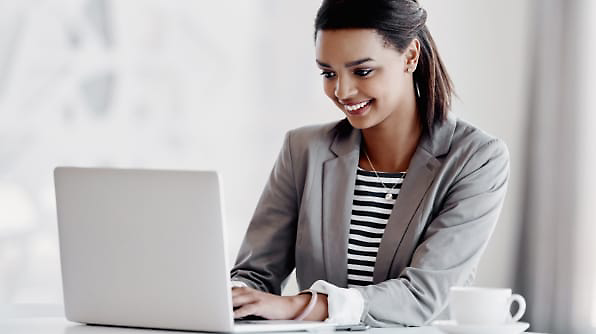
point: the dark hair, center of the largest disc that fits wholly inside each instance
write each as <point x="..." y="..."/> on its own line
<point x="398" y="22"/>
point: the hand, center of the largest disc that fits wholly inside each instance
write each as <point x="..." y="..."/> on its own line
<point x="249" y="301"/>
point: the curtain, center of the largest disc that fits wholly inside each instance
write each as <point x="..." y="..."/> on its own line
<point x="556" y="254"/>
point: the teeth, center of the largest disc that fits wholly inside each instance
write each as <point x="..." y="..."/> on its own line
<point x="356" y="106"/>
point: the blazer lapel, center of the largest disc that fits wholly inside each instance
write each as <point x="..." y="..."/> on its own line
<point x="339" y="178"/>
<point x="421" y="173"/>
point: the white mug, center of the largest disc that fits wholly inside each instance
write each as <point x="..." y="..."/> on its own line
<point x="484" y="306"/>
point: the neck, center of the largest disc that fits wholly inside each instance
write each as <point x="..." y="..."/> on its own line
<point x="391" y="144"/>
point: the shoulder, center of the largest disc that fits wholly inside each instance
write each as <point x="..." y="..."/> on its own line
<point x="473" y="149"/>
<point x="468" y="138"/>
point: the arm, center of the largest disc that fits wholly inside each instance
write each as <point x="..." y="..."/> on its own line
<point x="451" y="246"/>
<point x="266" y="256"/>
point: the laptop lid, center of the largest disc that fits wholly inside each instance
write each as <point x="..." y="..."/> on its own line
<point x="143" y="248"/>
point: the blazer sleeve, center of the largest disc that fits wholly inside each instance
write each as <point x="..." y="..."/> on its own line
<point x="266" y="256"/>
<point x="451" y="245"/>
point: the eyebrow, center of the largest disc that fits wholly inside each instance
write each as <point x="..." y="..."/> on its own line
<point x="350" y="64"/>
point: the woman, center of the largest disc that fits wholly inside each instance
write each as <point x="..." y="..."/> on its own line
<point x="382" y="212"/>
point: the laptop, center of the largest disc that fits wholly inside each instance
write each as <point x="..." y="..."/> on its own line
<point x="147" y="248"/>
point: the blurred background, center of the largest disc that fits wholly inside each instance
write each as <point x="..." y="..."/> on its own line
<point x="193" y="84"/>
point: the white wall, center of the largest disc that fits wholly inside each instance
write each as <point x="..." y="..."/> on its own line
<point x="585" y="278"/>
<point x="204" y="85"/>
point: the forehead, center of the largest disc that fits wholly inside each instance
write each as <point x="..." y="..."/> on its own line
<point x="344" y="45"/>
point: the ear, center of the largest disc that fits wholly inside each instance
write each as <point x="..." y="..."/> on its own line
<point x="411" y="54"/>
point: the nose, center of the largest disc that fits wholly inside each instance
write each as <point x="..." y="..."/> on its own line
<point x="344" y="88"/>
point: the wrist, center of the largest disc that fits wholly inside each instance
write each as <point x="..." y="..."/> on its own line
<point x="299" y="304"/>
<point x="312" y="304"/>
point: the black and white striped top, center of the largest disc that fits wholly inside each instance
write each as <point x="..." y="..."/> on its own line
<point x="370" y="213"/>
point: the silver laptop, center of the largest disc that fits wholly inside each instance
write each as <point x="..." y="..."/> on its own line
<point x="147" y="248"/>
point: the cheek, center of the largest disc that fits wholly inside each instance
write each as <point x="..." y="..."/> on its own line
<point x="387" y="90"/>
<point x="376" y="89"/>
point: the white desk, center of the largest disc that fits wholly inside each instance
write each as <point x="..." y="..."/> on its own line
<point x="59" y="325"/>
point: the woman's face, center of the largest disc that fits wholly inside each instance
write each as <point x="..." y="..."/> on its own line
<point x="365" y="77"/>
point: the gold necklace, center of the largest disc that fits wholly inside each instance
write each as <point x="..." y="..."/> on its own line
<point x="389" y="195"/>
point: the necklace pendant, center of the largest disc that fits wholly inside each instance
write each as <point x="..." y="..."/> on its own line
<point x="388" y="196"/>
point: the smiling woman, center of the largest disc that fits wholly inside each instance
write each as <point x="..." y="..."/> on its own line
<point x="361" y="74"/>
<point x="372" y="84"/>
<point x="400" y="31"/>
<point x="382" y="212"/>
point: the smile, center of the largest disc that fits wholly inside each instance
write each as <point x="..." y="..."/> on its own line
<point x="354" y="108"/>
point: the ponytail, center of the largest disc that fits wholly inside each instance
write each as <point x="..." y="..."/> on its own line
<point x="433" y="84"/>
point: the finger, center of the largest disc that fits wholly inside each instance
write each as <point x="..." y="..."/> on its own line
<point x="246" y="310"/>
<point x="247" y="298"/>
<point x="241" y="291"/>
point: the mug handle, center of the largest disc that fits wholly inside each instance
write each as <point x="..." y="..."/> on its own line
<point x="521" y="301"/>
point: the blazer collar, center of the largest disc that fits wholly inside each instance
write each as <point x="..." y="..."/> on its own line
<point x="439" y="142"/>
<point x="339" y="177"/>
<point x="347" y="139"/>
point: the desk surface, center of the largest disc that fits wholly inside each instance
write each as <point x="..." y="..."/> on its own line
<point x="59" y="325"/>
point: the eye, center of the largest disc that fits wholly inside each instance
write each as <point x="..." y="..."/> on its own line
<point x="363" y="72"/>
<point x="327" y="74"/>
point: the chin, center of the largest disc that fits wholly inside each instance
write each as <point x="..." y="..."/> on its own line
<point x="360" y="123"/>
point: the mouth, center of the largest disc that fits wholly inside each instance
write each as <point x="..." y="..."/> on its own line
<point x="357" y="108"/>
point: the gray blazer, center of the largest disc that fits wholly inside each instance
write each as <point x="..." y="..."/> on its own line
<point x="440" y="225"/>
